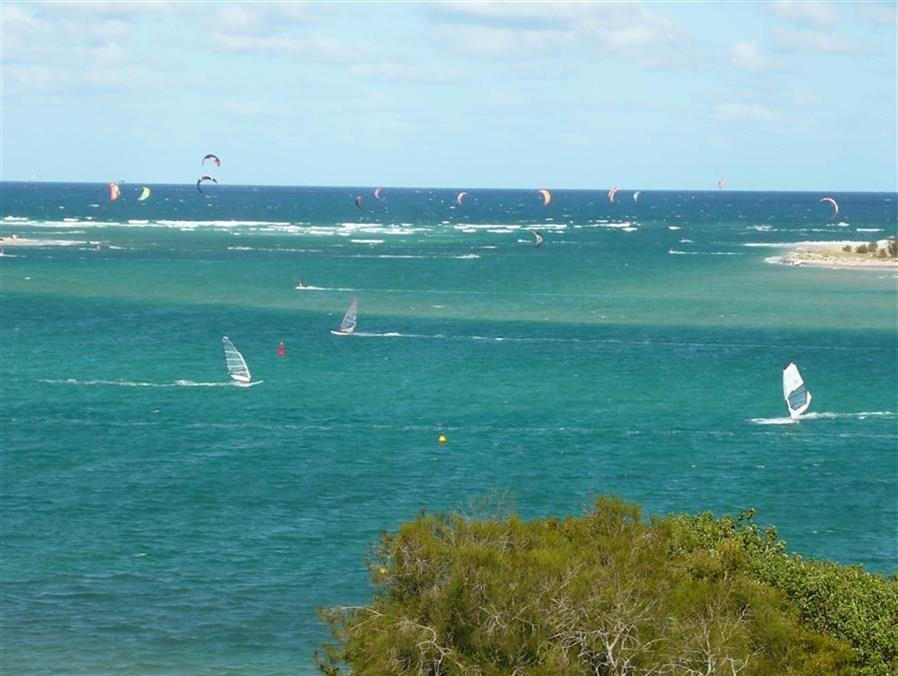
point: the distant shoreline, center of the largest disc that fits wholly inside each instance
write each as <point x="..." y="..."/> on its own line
<point x="829" y="255"/>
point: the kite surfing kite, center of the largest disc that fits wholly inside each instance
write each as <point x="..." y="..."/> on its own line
<point x="722" y="182"/>
<point x="114" y="192"/>
<point x="834" y="204"/>
<point x="144" y="194"/>
<point x="460" y="197"/>
<point x="203" y="179"/>
<point x="377" y="193"/>
<point x="539" y="238"/>
<point x="359" y="201"/>
<point x="547" y="196"/>
<point x="612" y="193"/>
<point x="212" y="157"/>
<point x="636" y="195"/>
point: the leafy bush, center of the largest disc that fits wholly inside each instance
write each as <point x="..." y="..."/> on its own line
<point x="861" y="249"/>
<point x="608" y="593"/>
<point x="893" y="247"/>
<point x="872" y="246"/>
<point x="847" y="248"/>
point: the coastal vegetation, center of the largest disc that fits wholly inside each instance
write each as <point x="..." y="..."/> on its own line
<point x="889" y="249"/>
<point x="609" y="592"/>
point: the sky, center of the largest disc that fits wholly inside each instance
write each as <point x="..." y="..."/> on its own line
<point x="586" y="95"/>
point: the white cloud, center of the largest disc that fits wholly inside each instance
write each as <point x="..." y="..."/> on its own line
<point x="400" y="72"/>
<point x="748" y="56"/>
<point x="501" y="30"/>
<point x="745" y="112"/>
<point x="251" y="108"/>
<point x="315" y="47"/>
<point x="818" y="14"/>
<point x="498" y="43"/>
<point x="815" y="41"/>
<point x="52" y="49"/>
<point x="258" y="18"/>
<point x="883" y="15"/>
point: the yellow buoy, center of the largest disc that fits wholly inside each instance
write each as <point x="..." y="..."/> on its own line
<point x="442" y="438"/>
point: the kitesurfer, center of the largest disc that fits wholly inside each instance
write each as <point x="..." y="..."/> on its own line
<point x="282" y="349"/>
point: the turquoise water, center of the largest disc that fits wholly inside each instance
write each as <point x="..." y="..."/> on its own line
<point x="156" y="519"/>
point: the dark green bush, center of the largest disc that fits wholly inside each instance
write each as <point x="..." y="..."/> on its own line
<point x="893" y="247"/>
<point x="861" y="249"/>
<point x="608" y="593"/>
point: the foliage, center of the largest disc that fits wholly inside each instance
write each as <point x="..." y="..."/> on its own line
<point x="861" y="249"/>
<point x="609" y="593"/>
<point x="892" y="246"/>
<point x="847" y="248"/>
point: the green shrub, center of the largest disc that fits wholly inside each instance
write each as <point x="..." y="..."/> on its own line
<point x="893" y="247"/>
<point x="872" y="246"/>
<point x="609" y="593"/>
<point x="861" y="249"/>
<point x="847" y="248"/>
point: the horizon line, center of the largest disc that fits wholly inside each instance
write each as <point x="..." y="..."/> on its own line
<point x="450" y="188"/>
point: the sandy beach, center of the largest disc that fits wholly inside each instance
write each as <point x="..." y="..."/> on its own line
<point x="831" y="255"/>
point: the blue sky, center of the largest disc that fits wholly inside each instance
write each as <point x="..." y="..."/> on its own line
<point x="775" y="96"/>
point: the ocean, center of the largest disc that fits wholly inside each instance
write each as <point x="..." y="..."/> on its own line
<point x="158" y="520"/>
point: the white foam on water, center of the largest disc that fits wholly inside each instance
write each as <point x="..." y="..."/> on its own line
<point x="869" y="229"/>
<point x="772" y="421"/>
<point x="489" y="227"/>
<point x="823" y="415"/>
<point x="367" y="241"/>
<point x="859" y="415"/>
<point x="674" y="227"/>
<point x="703" y="253"/>
<point x="134" y="383"/>
<point x="788" y="245"/>
<point x="15" y="219"/>
<point x="464" y="257"/>
<point x="322" y="288"/>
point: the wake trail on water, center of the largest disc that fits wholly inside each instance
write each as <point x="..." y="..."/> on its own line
<point x="133" y="383"/>
<point x="823" y="415"/>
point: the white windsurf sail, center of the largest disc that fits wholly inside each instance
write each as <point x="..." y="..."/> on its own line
<point x="348" y="324"/>
<point x="237" y="368"/>
<point x="797" y="397"/>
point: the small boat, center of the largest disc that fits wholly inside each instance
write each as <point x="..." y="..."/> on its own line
<point x="347" y="326"/>
<point x="237" y="368"/>
<point x="797" y="397"/>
